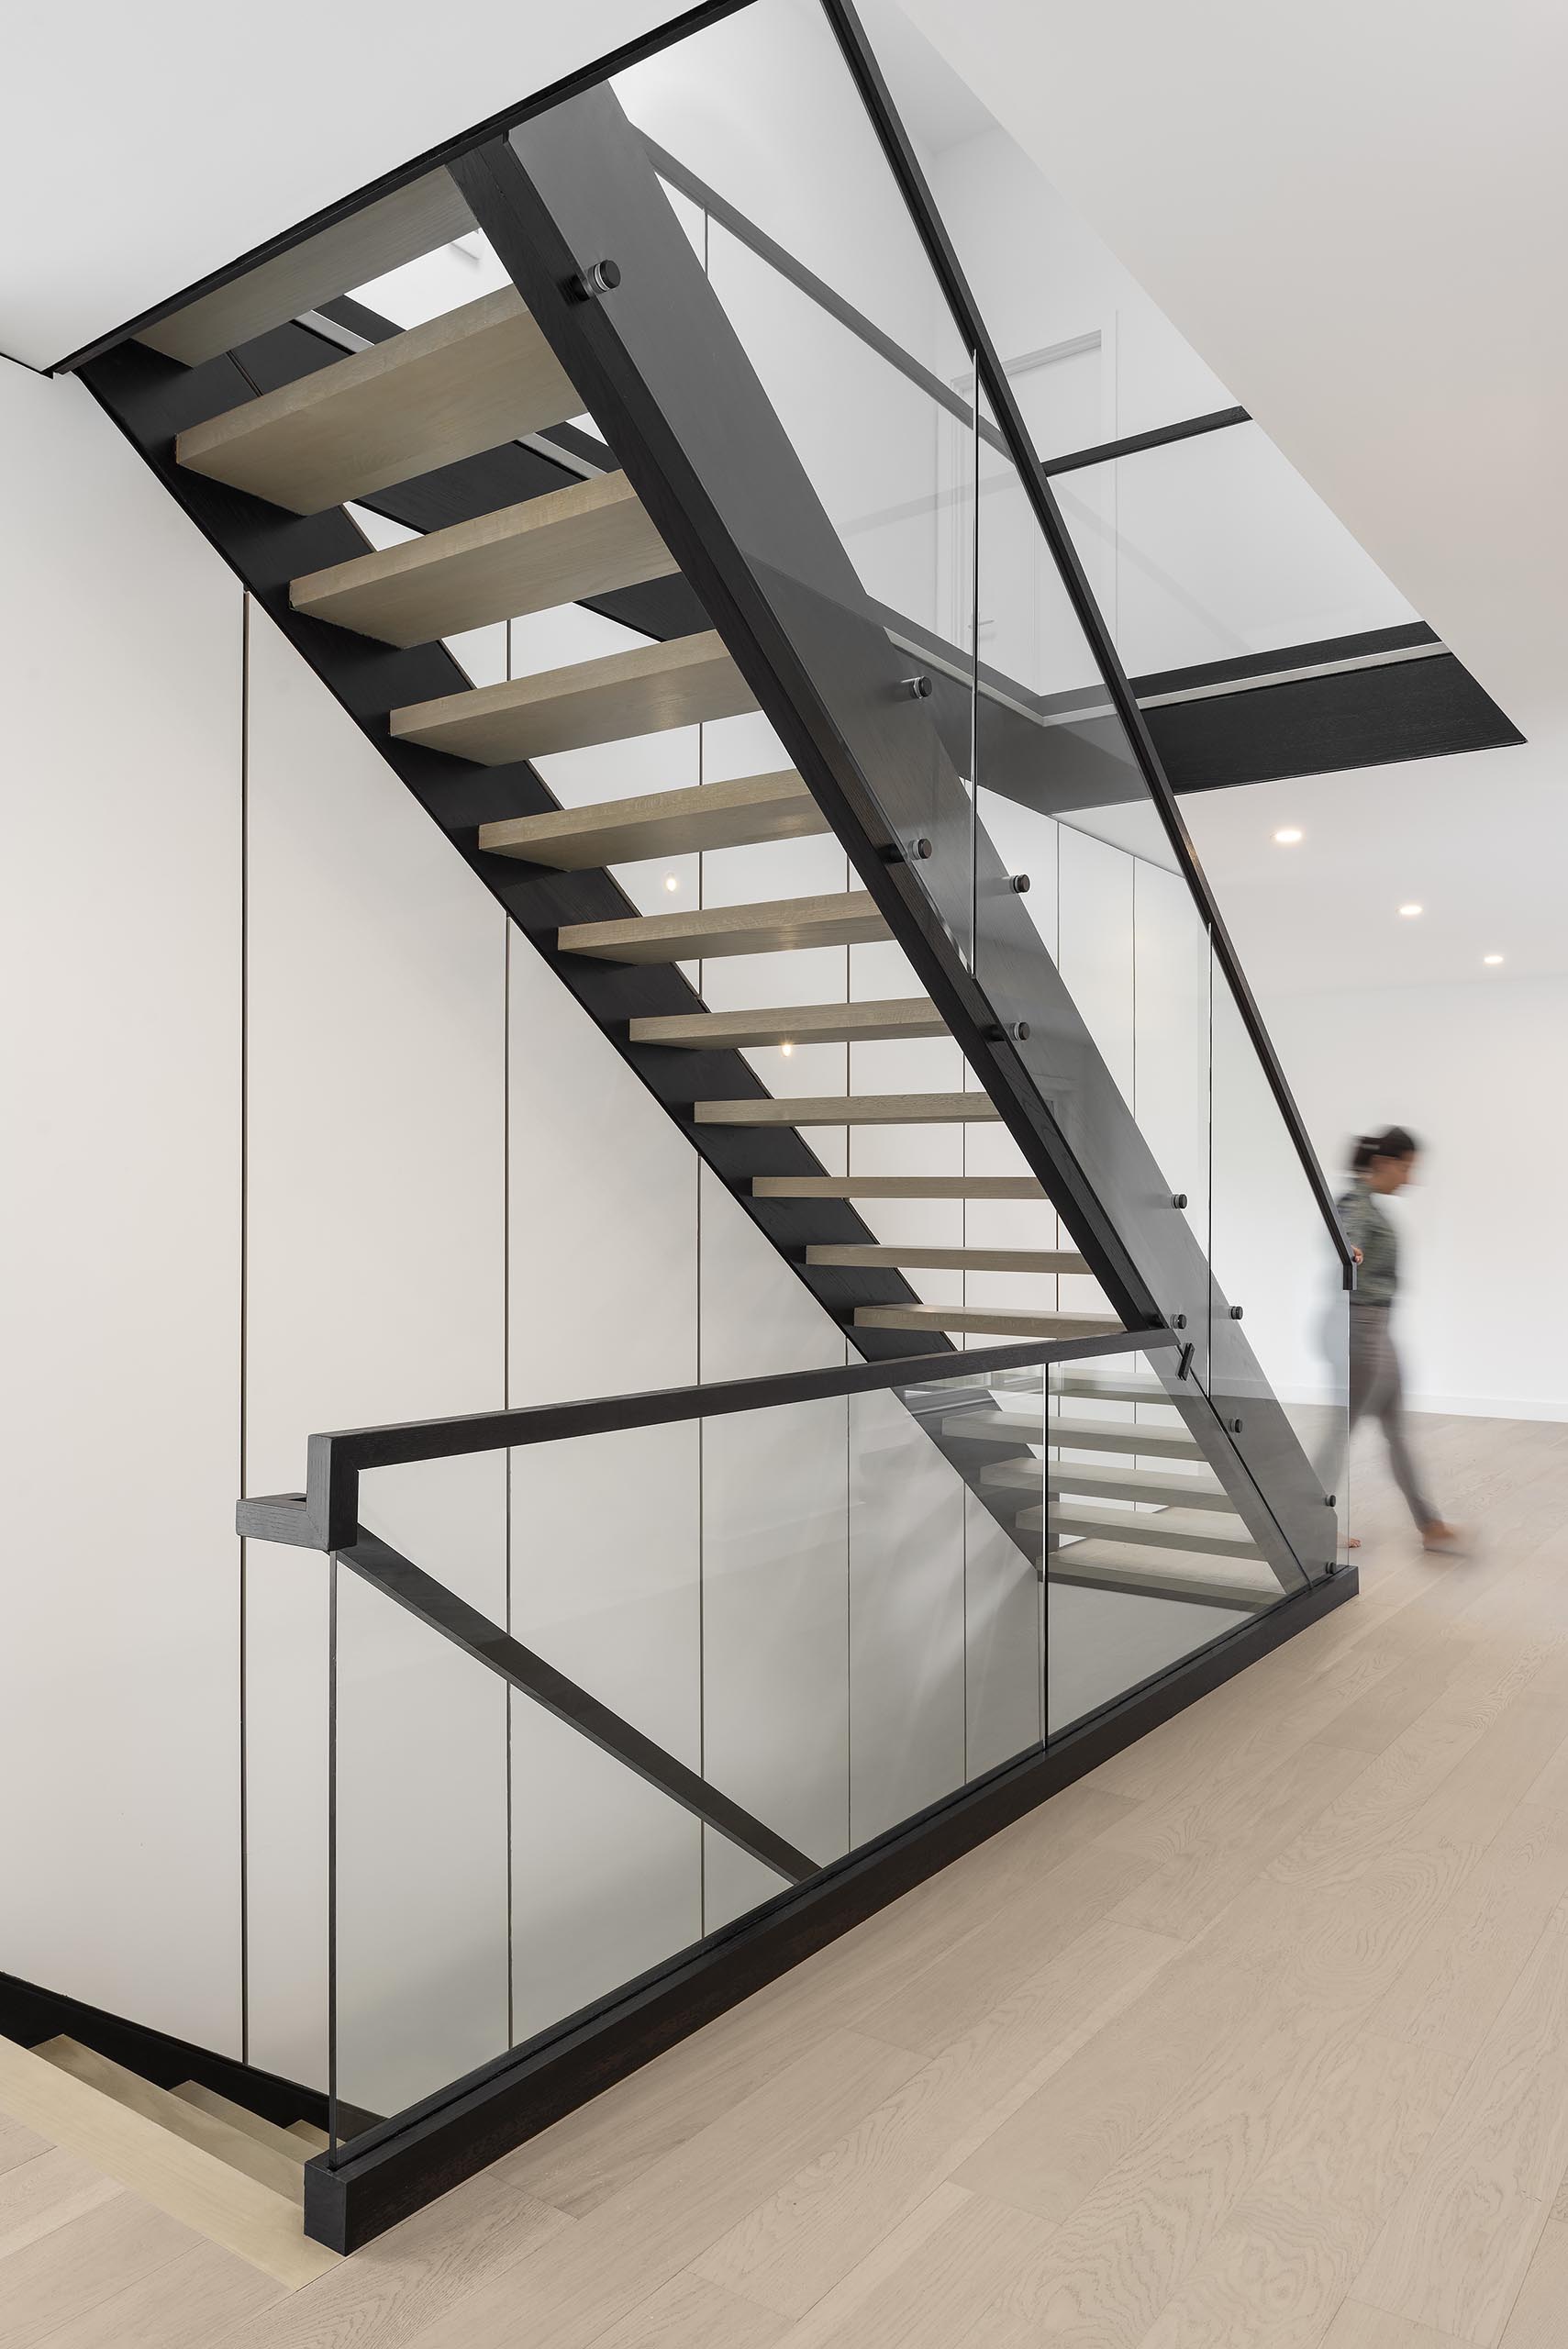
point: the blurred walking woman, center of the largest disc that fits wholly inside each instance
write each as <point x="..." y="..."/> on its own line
<point x="1381" y="1165"/>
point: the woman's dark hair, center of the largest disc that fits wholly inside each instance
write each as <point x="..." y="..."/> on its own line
<point x="1395" y="1141"/>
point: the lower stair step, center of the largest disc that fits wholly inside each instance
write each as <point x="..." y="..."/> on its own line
<point x="796" y="1023"/>
<point x="1164" y="1573"/>
<point x="560" y="549"/>
<point x="313" y="2140"/>
<point x="851" y="1109"/>
<point x="1001" y="1321"/>
<point x="1113" y="1390"/>
<point x="682" y="683"/>
<point x="1168" y="1487"/>
<point x="279" y="2172"/>
<point x="896" y="1186"/>
<point x="849" y="918"/>
<point x="737" y="814"/>
<point x="1014" y="1428"/>
<point x="283" y="2142"/>
<point x="949" y="1260"/>
<point x="1167" y="1528"/>
<point x="199" y="2187"/>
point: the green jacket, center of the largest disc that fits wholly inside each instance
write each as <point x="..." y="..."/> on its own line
<point x="1366" y="1227"/>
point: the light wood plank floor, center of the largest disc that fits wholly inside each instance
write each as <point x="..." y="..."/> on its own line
<point x="1260" y="2035"/>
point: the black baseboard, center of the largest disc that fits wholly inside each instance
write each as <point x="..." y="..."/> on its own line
<point x="30" y="2014"/>
<point x="407" y="2162"/>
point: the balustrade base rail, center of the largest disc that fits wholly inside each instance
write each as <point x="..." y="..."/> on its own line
<point x="422" y="2153"/>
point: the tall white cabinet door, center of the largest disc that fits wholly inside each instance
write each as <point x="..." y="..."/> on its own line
<point x="605" y="1529"/>
<point x="119" y="1229"/>
<point x="376" y="1222"/>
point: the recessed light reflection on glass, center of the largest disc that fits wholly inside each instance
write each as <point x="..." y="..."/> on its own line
<point x="671" y="880"/>
<point x="1491" y="958"/>
<point x="1409" y="912"/>
<point x="786" y="1048"/>
<point x="1289" y="835"/>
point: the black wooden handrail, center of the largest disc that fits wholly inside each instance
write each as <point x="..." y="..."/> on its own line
<point x="326" y="1516"/>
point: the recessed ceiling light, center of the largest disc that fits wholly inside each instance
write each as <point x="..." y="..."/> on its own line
<point x="1409" y="912"/>
<point x="1289" y="835"/>
<point x="786" y="1049"/>
<point x="671" y="880"/>
<point x="1491" y="958"/>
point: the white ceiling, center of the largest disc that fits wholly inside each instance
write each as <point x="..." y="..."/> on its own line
<point x="145" y="146"/>
<point x="1479" y="842"/>
<point x="1356" y="214"/>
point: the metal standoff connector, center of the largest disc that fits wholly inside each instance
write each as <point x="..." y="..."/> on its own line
<point x="603" y="278"/>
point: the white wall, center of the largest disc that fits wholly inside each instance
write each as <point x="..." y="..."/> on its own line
<point x="1474" y="1070"/>
<point x="119" y="1228"/>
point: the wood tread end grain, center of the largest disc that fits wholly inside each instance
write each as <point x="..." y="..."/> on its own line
<point x="1002" y="1322"/>
<point x="570" y="544"/>
<point x="851" y="1109"/>
<point x="1046" y="1261"/>
<point x="684" y="682"/>
<point x="896" y="1186"/>
<point x="780" y="926"/>
<point x="1073" y="1435"/>
<point x="743" y="812"/>
<point x="799" y="1023"/>
<point x="1182" y="1573"/>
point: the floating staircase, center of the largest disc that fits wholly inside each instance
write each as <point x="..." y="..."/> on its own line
<point x="485" y="375"/>
<point x="423" y="399"/>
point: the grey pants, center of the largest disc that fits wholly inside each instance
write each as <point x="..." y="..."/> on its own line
<point x="1378" y="1389"/>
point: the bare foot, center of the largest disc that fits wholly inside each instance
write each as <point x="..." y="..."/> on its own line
<point x="1439" y="1536"/>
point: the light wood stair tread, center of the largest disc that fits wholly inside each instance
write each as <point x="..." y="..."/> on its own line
<point x="1171" y="1573"/>
<point x="191" y="2184"/>
<point x="1167" y="1441"/>
<point x="459" y="384"/>
<point x="683" y="682"/>
<point x="848" y="918"/>
<point x="949" y="1260"/>
<point x="313" y="2140"/>
<point x="285" y="2142"/>
<point x="1172" y="1488"/>
<point x="398" y="227"/>
<point x="1171" y="1529"/>
<point x="749" y="809"/>
<point x="851" y="1109"/>
<point x="1115" y="1390"/>
<point x="896" y="1186"/>
<point x="278" y="2172"/>
<point x="584" y="540"/>
<point x="1073" y="1435"/>
<point x="1002" y="1322"/>
<point x="801" y="1023"/>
